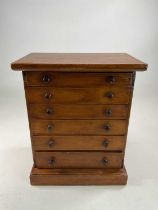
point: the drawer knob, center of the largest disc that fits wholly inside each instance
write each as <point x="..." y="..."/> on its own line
<point x="111" y="79"/>
<point x="51" y="143"/>
<point x="48" y="95"/>
<point x="108" y="112"/>
<point x="107" y="127"/>
<point x="49" y="111"/>
<point x="105" y="161"/>
<point x="110" y="95"/>
<point x="50" y="127"/>
<point x="51" y="161"/>
<point x="105" y="143"/>
<point x="46" y="78"/>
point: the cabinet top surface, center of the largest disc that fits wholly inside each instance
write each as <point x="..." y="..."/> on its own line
<point x="79" y="62"/>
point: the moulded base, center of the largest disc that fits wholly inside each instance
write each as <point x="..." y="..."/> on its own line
<point x="78" y="176"/>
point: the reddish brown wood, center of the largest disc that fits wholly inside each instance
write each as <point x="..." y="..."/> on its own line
<point x="67" y="159"/>
<point x="67" y="79"/>
<point x="82" y="143"/>
<point x="70" y="111"/>
<point x="74" y="62"/>
<point x="102" y="95"/>
<point x="78" y="108"/>
<point x="78" y="176"/>
<point x="79" y="127"/>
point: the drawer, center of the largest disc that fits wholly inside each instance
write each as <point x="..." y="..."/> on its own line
<point x="103" y="95"/>
<point x="78" y="160"/>
<point x="79" y="127"/>
<point x="102" y="143"/>
<point x="77" y="79"/>
<point x="70" y="111"/>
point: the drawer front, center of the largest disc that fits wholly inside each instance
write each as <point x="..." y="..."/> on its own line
<point x="60" y="111"/>
<point x="78" y="79"/>
<point x="79" y="127"/>
<point x="103" y="95"/>
<point x="78" y="160"/>
<point x="102" y="143"/>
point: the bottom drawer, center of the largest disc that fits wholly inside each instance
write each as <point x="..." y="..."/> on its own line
<point x="78" y="159"/>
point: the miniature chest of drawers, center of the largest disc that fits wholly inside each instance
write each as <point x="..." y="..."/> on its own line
<point x="78" y="108"/>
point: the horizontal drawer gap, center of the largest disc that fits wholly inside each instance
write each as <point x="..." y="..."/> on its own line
<point x="51" y="135"/>
<point x="79" y="119"/>
<point x="50" y="103"/>
<point x="79" y="151"/>
<point x="77" y="135"/>
<point x="72" y="168"/>
<point x="66" y="104"/>
<point x="89" y="151"/>
<point x="84" y="87"/>
<point x="34" y="118"/>
<point x="104" y="87"/>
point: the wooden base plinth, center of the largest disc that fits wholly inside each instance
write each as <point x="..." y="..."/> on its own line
<point x="78" y="176"/>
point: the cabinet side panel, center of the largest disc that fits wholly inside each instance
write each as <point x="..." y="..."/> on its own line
<point x="129" y="107"/>
<point x="24" y="74"/>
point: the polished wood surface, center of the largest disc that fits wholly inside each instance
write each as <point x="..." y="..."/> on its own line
<point x="79" y="127"/>
<point x="74" y="62"/>
<point x="78" y="108"/>
<point x="67" y="159"/>
<point x="78" y="111"/>
<point x="102" y="95"/>
<point x="66" y="79"/>
<point x="92" y="143"/>
<point x="78" y="176"/>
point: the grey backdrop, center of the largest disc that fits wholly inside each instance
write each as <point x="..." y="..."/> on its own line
<point x="78" y="26"/>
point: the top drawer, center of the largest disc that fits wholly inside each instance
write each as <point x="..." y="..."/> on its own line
<point x="77" y="79"/>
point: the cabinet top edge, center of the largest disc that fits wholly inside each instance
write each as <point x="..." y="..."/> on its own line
<point x="79" y="62"/>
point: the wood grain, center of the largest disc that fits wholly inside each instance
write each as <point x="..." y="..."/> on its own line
<point x="74" y="62"/>
<point x="66" y="159"/>
<point x="78" y="127"/>
<point x="80" y="143"/>
<point x="78" y="108"/>
<point x="67" y="79"/>
<point x="70" y="111"/>
<point x="78" y="176"/>
<point x="120" y="95"/>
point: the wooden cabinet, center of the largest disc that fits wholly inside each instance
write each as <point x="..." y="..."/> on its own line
<point x="78" y="109"/>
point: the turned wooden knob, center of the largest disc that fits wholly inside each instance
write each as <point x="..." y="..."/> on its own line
<point x="51" y="143"/>
<point x="108" y="112"/>
<point x="49" y="111"/>
<point x="51" y="161"/>
<point x="110" y="95"/>
<point x="50" y="127"/>
<point x="111" y="79"/>
<point x="107" y="127"/>
<point x="105" y="143"/>
<point x="48" y="95"/>
<point x="46" y="78"/>
<point x="105" y="161"/>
